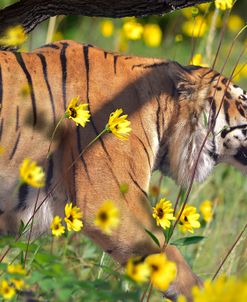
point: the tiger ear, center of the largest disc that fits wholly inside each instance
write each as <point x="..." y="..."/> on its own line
<point x="187" y="81"/>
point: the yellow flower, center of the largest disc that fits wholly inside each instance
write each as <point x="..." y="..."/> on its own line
<point x="163" y="213"/>
<point x="138" y="270"/>
<point x="107" y="217"/>
<point x="132" y="30"/>
<point x="224" y="4"/>
<point x="187" y="12"/>
<point x="181" y="299"/>
<point x="197" y="60"/>
<point x="122" y="42"/>
<point x="2" y="150"/>
<point x="32" y="174"/>
<point x="73" y="218"/>
<point x="124" y="188"/>
<point x="196" y="27"/>
<point x="189" y="219"/>
<point x="240" y="71"/>
<point x="78" y="113"/>
<point x="107" y="28"/>
<point x="222" y="289"/>
<point x="119" y="125"/>
<point x="243" y="71"/>
<point x="14" y="36"/>
<point x="57" y="228"/>
<point x="178" y="38"/>
<point x="235" y="23"/>
<point x="163" y="271"/>
<point x="57" y="36"/>
<point x="204" y="6"/>
<point x="25" y="90"/>
<point x="18" y="283"/>
<point x="6" y="290"/>
<point x="154" y="190"/>
<point x="16" y="269"/>
<point x="206" y="209"/>
<point x="152" y="35"/>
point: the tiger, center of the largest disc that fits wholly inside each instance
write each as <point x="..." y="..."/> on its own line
<point x="166" y="104"/>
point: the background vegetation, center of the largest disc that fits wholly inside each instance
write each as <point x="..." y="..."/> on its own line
<point x="56" y="264"/>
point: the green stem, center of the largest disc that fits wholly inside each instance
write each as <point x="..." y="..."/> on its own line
<point x="66" y="245"/>
<point x="17" y="188"/>
<point x="53" y="135"/>
<point x="101" y="264"/>
<point x="51" y="29"/>
<point x="94" y="140"/>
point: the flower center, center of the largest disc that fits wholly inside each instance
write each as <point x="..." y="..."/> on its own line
<point x="56" y="226"/>
<point x="71" y="218"/>
<point x="6" y="290"/>
<point x="103" y="216"/>
<point x="185" y="218"/>
<point x="154" y="267"/>
<point x="73" y="112"/>
<point x="160" y="213"/>
<point x="134" y="270"/>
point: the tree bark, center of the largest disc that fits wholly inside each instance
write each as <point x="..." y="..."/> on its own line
<point x="30" y="13"/>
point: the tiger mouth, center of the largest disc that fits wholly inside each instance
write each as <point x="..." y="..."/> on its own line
<point x="241" y="155"/>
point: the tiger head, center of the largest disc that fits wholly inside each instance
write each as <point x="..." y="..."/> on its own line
<point x="230" y="127"/>
<point x="206" y="100"/>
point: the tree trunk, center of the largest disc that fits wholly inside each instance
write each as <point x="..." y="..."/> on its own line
<point x="30" y="13"/>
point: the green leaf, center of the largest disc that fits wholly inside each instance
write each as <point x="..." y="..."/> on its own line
<point x="187" y="240"/>
<point x="154" y="238"/>
<point x="65" y="294"/>
<point x="23" y="246"/>
<point x="21" y="228"/>
<point x="45" y="258"/>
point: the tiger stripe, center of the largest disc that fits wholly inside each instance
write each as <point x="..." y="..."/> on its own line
<point x="158" y="117"/>
<point x="240" y="108"/>
<point x="22" y="197"/>
<point x="86" y="62"/>
<point x="51" y="45"/>
<point x="137" y="185"/>
<point x="226" y="108"/>
<point x="115" y="58"/>
<point x="17" y="125"/>
<point x="146" y="151"/>
<point x="22" y="64"/>
<point x="15" y="147"/>
<point x="44" y="68"/>
<point x="87" y="67"/>
<point x="49" y="173"/>
<point x="1" y="128"/>
<point x="63" y="60"/>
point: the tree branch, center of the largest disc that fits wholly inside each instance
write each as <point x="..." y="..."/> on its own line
<point x="30" y="13"/>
